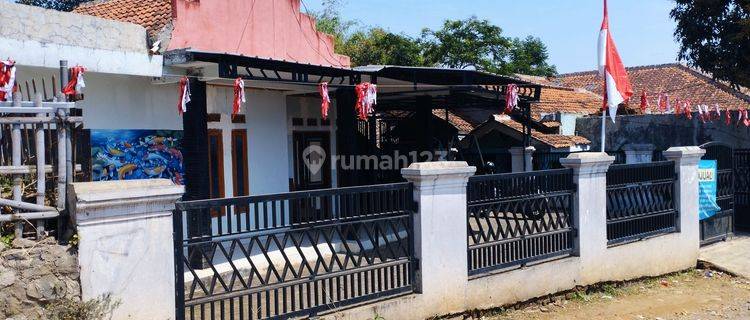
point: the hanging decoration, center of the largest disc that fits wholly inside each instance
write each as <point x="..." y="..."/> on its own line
<point x="688" y="109"/>
<point x="239" y="96"/>
<point x="644" y="102"/>
<point x="717" y="110"/>
<point x="742" y="116"/>
<point x="184" y="95"/>
<point x="511" y="98"/>
<point x="662" y="101"/>
<point x="746" y="120"/>
<point x="728" y="119"/>
<point x="7" y="79"/>
<point x="703" y="114"/>
<point x="367" y="98"/>
<point x="325" y="102"/>
<point x="75" y="84"/>
<point x="677" y="107"/>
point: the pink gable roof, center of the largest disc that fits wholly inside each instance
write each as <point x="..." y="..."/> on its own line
<point x="273" y="29"/>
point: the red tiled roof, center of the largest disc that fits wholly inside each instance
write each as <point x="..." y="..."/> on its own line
<point x="552" y="140"/>
<point x="674" y="79"/>
<point x="153" y="15"/>
<point x="566" y="100"/>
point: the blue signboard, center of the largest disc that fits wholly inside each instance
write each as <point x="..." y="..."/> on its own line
<point x="707" y="206"/>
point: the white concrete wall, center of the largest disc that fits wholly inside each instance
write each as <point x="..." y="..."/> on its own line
<point x="116" y="101"/>
<point x="33" y="36"/>
<point x="126" y="245"/>
<point x="265" y="114"/>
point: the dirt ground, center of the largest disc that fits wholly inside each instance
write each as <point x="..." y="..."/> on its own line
<point x="690" y="295"/>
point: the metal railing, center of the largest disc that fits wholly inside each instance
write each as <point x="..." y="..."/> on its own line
<point x="640" y="201"/>
<point x="546" y="160"/>
<point x="294" y="254"/>
<point x="518" y="218"/>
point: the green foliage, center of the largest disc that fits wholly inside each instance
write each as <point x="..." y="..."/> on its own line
<point x="478" y="44"/>
<point x="470" y="43"/>
<point x="714" y="35"/>
<point x="61" y="5"/>
<point x="378" y="46"/>
<point x="71" y="309"/>
<point x="467" y="43"/>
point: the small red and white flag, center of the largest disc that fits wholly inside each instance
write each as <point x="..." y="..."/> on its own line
<point x="184" y="95"/>
<point x="367" y="98"/>
<point x="325" y="103"/>
<point x="7" y="79"/>
<point x="511" y="98"/>
<point x="617" y="87"/>
<point x="76" y="84"/>
<point x="239" y="96"/>
<point x="728" y="119"/>
<point x="645" y="105"/>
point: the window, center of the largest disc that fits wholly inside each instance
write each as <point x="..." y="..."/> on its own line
<point x="240" y="175"/>
<point x="215" y="168"/>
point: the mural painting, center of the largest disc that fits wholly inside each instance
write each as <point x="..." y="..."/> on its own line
<point x="136" y="154"/>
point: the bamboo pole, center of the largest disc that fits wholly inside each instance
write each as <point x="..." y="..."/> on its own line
<point x="41" y="186"/>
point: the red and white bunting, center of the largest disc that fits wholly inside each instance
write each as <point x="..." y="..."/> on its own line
<point x="367" y="99"/>
<point x="677" y="107"/>
<point x="184" y="95"/>
<point x="741" y="116"/>
<point x="645" y="105"/>
<point x="702" y="115"/>
<point x="7" y="79"/>
<point x="717" y="112"/>
<point x="617" y="88"/>
<point x="662" y="102"/>
<point x="511" y="98"/>
<point x="688" y="109"/>
<point x="239" y="96"/>
<point x="325" y="100"/>
<point x="75" y="84"/>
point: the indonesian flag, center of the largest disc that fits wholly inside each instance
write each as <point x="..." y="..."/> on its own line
<point x="617" y="88"/>
<point x="184" y="95"/>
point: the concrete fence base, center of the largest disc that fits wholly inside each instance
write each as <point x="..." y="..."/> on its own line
<point x="126" y="243"/>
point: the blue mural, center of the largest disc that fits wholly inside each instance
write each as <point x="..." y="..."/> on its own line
<point x="136" y="154"/>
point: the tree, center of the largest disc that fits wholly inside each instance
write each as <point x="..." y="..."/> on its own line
<point x="470" y="43"/>
<point x="379" y="47"/>
<point x="478" y="44"/>
<point x="61" y="5"/>
<point x="714" y="36"/>
<point x="529" y="56"/>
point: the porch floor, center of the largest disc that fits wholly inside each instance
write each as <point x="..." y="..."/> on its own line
<point x="732" y="255"/>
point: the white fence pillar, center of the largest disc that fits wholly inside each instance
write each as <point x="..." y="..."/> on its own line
<point x="440" y="232"/>
<point x="519" y="156"/>
<point x="126" y="244"/>
<point x="590" y="205"/>
<point x="686" y="194"/>
<point x="638" y="153"/>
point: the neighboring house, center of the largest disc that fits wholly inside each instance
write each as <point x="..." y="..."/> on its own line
<point x="664" y="131"/>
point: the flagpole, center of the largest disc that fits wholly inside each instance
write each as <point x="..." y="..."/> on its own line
<point x="604" y="129"/>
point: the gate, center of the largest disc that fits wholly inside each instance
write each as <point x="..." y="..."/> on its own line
<point x="720" y="226"/>
<point x="742" y="189"/>
<point x="257" y="261"/>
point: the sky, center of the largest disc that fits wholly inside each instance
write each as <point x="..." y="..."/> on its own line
<point x="642" y="29"/>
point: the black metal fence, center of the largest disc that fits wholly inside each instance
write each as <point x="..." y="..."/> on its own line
<point x="742" y="189"/>
<point x="640" y="201"/>
<point x="518" y="218"/>
<point x="546" y="160"/>
<point x="294" y="254"/>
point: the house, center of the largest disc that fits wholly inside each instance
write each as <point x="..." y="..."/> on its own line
<point x="664" y="130"/>
<point x="136" y="52"/>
